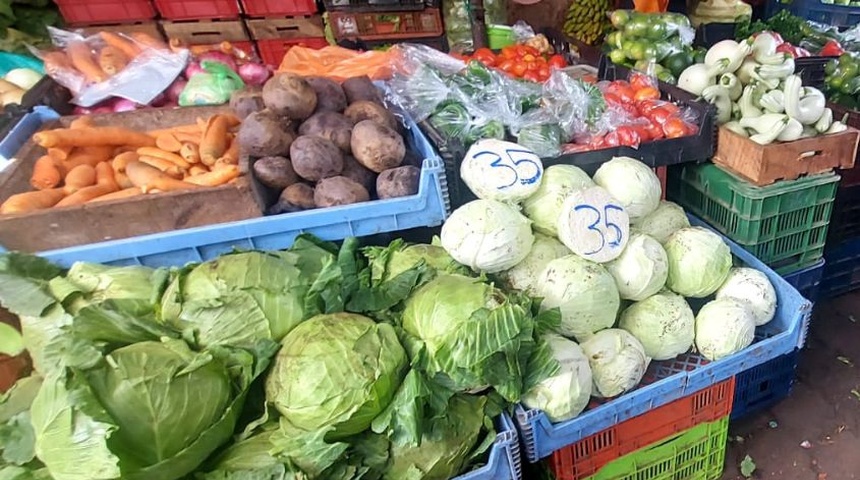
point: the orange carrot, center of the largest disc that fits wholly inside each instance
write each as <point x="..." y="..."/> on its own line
<point x="82" y="59"/>
<point x="214" y="142"/>
<point x="59" y="153"/>
<point x="85" y="194"/>
<point x="91" y="156"/>
<point x="118" y="195"/>
<point x="120" y="161"/>
<point x="127" y="47"/>
<point x="231" y="156"/>
<point x="191" y="129"/>
<point x="165" y="166"/>
<point x="197" y="170"/>
<point x="112" y="60"/>
<point x="122" y="180"/>
<point x="158" y="153"/>
<point x="190" y="153"/>
<point x="57" y="63"/>
<point x="45" y="174"/>
<point x="104" y="175"/>
<point x="148" y="178"/>
<point x="149" y="41"/>
<point x="30" y="201"/>
<point x="81" y="122"/>
<point x="186" y="137"/>
<point x="216" y="177"/>
<point x="168" y="142"/>
<point x="80" y="177"/>
<point x="93" y="136"/>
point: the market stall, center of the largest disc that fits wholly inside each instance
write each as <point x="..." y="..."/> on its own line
<point x="415" y="240"/>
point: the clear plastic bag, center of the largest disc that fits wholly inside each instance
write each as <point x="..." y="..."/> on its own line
<point x="458" y="25"/>
<point x="99" y="67"/>
<point x="211" y="88"/>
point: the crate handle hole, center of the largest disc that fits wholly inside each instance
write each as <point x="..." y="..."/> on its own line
<point x="286" y="29"/>
<point x="806" y="155"/>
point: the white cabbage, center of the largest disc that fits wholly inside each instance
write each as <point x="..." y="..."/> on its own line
<point x="499" y="170"/>
<point x="632" y="183"/>
<point x="663" y="222"/>
<point x="618" y="361"/>
<point x="584" y="292"/>
<point x="544" y="207"/>
<point x="641" y="269"/>
<point x="566" y="394"/>
<point x="699" y="262"/>
<point x="664" y="323"/>
<point x="487" y="236"/>
<point x="723" y="327"/>
<point x="751" y="287"/>
<point x="525" y="274"/>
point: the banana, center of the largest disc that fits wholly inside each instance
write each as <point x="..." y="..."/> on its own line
<point x="586" y="20"/>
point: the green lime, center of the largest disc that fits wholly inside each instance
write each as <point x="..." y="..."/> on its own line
<point x="619" y="18"/>
<point x="637" y="27"/>
<point x="617" y="56"/>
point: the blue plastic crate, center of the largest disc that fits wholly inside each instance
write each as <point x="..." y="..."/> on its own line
<point x="816" y="11"/>
<point x="842" y="271"/>
<point x="426" y="209"/>
<point x="807" y="281"/>
<point x="670" y="380"/>
<point x="504" y="462"/>
<point x="764" y="386"/>
<point x="20" y="133"/>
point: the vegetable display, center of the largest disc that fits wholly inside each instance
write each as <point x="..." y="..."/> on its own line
<point x="86" y="163"/>
<point x="757" y="93"/>
<point x="519" y="61"/>
<point x="842" y="81"/>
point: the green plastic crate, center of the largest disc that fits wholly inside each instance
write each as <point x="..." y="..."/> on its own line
<point x="694" y="454"/>
<point x="784" y="224"/>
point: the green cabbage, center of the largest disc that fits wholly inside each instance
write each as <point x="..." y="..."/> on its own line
<point x="632" y="183"/>
<point x="566" y="394"/>
<point x="699" y="262"/>
<point x="524" y="275"/>
<point x="724" y="326"/>
<point x="751" y="287"/>
<point x="641" y="269"/>
<point x="544" y="207"/>
<point x="664" y="323"/>
<point x="618" y="361"/>
<point x="398" y="257"/>
<point x="662" y="222"/>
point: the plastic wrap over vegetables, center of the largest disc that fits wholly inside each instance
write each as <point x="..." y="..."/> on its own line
<point x="213" y="86"/>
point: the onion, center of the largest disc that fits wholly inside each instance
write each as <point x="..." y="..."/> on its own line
<point x="159" y="100"/>
<point x="215" y="56"/>
<point x="192" y="69"/>
<point x="175" y="89"/>
<point x="124" y="105"/>
<point x="254" y="73"/>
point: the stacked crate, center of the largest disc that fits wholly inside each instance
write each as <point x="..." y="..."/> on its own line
<point x="205" y="23"/>
<point x="93" y="16"/>
<point x="275" y="35"/>
<point x="379" y="23"/>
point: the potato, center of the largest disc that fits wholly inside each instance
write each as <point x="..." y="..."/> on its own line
<point x="377" y="147"/>
<point x="361" y="88"/>
<point x="289" y="96"/>
<point x="365" y="110"/>
<point x="339" y="190"/>
<point x="329" y="125"/>
<point x="295" y="198"/>
<point x="359" y="174"/>
<point x="275" y="172"/>
<point x="330" y="97"/>
<point x="315" y="158"/>
<point x="264" y="134"/>
<point x="247" y="101"/>
<point x="398" y="182"/>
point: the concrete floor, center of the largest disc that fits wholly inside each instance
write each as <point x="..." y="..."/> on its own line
<point x="814" y="434"/>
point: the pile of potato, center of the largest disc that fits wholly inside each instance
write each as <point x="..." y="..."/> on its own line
<point x="321" y="144"/>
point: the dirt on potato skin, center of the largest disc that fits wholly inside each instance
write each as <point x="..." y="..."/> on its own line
<point x="820" y="410"/>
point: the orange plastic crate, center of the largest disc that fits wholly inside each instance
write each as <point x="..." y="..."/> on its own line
<point x="587" y="456"/>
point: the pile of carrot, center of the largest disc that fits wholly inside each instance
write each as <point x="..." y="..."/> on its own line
<point x="87" y="164"/>
<point x="97" y="63"/>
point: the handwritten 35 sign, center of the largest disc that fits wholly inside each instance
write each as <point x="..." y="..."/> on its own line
<point x="594" y="225"/>
<point x="502" y="171"/>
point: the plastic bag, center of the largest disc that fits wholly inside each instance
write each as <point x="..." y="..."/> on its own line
<point x="456" y="15"/>
<point x="211" y="88"/>
<point x="82" y="62"/>
<point x="577" y="105"/>
<point x="337" y="63"/>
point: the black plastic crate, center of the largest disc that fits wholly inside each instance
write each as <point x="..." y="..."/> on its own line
<point x="845" y="219"/>
<point x="842" y="270"/>
<point x="439" y="43"/>
<point x="709" y="34"/>
<point x="811" y="70"/>
<point x="49" y="93"/>
<point x="363" y="6"/>
<point x="659" y="153"/>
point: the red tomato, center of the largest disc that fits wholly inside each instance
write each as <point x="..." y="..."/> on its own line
<point x="523" y="50"/>
<point x="831" y="49"/>
<point x="532" y="77"/>
<point x="507" y="66"/>
<point x="485" y="56"/>
<point x="557" y="61"/>
<point x="647" y="93"/>
<point x="611" y="140"/>
<point x="644" y="107"/>
<point x="639" y="80"/>
<point x="509" y="52"/>
<point x="612" y="99"/>
<point x="663" y="113"/>
<point x="675" y="127"/>
<point x="544" y="72"/>
<point x="655" y="131"/>
<point x="622" y="90"/>
<point x="643" y="130"/>
<point x="519" y="69"/>
<point x="528" y="58"/>
<point x="532" y="66"/>
<point x="627" y="136"/>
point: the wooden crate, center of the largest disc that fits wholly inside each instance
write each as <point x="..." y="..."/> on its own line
<point x="150" y="28"/>
<point x="89" y="223"/>
<point x="206" y="32"/>
<point x="284" y="28"/>
<point x="766" y="164"/>
<point x="386" y="26"/>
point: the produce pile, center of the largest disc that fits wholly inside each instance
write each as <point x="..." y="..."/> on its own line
<point x="842" y="81"/>
<point x="314" y="363"/>
<point x="519" y="61"/>
<point x="801" y="35"/>
<point x="318" y="144"/>
<point x="757" y="93"/>
<point x="86" y="164"/>
<point x="614" y="259"/>
<point x="15" y="84"/>
<point x="657" y="43"/>
<point x="586" y="20"/>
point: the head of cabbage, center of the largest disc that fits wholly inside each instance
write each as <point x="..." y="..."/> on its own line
<point x="751" y="287"/>
<point x="487" y="236"/>
<point x="632" y="183"/>
<point x="468" y="335"/>
<point x="699" y="262"/>
<point x="336" y="373"/>
<point x="524" y="275"/>
<point x="618" y="361"/>
<point x="398" y="257"/>
<point x="641" y="269"/>
<point x="663" y="323"/>
<point x="584" y="292"/>
<point x="724" y="326"/>
<point x="663" y="222"/>
<point x="566" y="394"/>
<point x="545" y="205"/>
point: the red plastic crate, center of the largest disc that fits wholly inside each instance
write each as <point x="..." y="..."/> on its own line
<point x="272" y="51"/>
<point x="82" y="12"/>
<point x="275" y="8"/>
<point x="198" y="9"/>
<point x="587" y="456"/>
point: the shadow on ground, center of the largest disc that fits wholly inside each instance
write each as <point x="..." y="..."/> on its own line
<point x="814" y="434"/>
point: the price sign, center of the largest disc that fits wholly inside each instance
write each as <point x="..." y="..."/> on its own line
<point x="499" y="170"/>
<point x="593" y="225"/>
